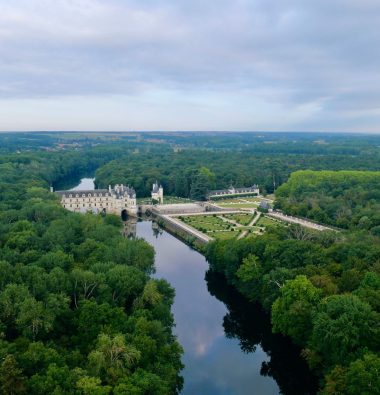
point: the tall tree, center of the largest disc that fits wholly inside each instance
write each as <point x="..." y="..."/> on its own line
<point x="293" y="310"/>
<point x="12" y="381"/>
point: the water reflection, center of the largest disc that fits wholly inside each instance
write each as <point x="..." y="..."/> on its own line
<point x="214" y="363"/>
<point x="250" y="325"/>
<point x="75" y="184"/>
<point x="130" y="228"/>
<point x="86" y="184"/>
<point x="229" y="347"/>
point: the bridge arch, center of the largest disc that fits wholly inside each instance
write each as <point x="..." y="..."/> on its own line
<point x="124" y="215"/>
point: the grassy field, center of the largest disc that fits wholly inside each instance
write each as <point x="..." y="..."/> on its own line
<point x="224" y="235"/>
<point x="206" y="223"/>
<point x="265" y="221"/>
<point x="176" y="199"/>
<point x="227" y="200"/>
<point x="252" y="199"/>
<point x="242" y="219"/>
<point x="240" y="202"/>
<point x="146" y="200"/>
<point x="167" y="200"/>
<point x="212" y="226"/>
<point x="238" y="205"/>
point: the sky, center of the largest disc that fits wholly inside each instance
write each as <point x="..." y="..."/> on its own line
<point x="244" y="65"/>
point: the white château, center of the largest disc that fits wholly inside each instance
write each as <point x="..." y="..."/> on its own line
<point x="113" y="200"/>
<point x="232" y="191"/>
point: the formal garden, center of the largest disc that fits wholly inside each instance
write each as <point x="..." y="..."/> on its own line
<point x="244" y="203"/>
<point x="230" y="226"/>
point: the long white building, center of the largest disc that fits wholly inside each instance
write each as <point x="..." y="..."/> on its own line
<point x="112" y="200"/>
<point x="232" y="191"/>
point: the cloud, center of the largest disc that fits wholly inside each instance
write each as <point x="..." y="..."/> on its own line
<point x="315" y="63"/>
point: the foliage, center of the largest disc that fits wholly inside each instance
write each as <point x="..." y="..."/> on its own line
<point x="78" y="308"/>
<point x="74" y="293"/>
<point x="293" y="310"/>
<point x="344" y="328"/>
<point x="347" y="199"/>
<point x="360" y="377"/>
<point x="322" y="291"/>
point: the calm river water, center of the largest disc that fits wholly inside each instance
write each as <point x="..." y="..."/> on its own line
<point x="228" y="344"/>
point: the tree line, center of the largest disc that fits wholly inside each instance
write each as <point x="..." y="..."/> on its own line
<point x="347" y="199"/>
<point x="191" y="173"/>
<point x="322" y="290"/>
<point x="79" y="310"/>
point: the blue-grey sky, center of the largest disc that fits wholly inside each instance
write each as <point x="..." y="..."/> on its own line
<point x="310" y="65"/>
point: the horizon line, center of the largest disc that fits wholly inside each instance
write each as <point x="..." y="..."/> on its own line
<point x="190" y="131"/>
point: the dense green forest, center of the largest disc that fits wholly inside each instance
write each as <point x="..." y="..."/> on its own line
<point x="347" y="199"/>
<point x="79" y="311"/>
<point x="322" y="289"/>
<point x="191" y="173"/>
<point x="189" y="164"/>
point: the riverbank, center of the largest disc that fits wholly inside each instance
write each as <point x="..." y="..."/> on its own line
<point x="214" y="363"/>
<point x="182" y="234"/>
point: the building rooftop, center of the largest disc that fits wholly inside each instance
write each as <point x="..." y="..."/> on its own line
<point x="118" y="190"/>
<point x="232" y="189"/>
<point x="80" y="192"/>
<point x="156" y="187"/>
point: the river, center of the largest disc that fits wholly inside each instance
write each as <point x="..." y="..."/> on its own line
<point x="228" y="345"/>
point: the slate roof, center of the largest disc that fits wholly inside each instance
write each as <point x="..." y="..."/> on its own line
<point x="155" y="188"/>
<point x="226" y="191"/>
<point x="118" y="190"/>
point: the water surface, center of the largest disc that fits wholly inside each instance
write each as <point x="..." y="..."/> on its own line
<point x="214" y="364"/>
<point x="229" y="348"/>
<point x="86" y="184"/>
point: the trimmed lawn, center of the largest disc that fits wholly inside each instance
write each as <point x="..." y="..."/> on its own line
<point x="267" y="221"/>
<point x="253" y="199"/>
<point x="242" y="219"/>
<point x="227" y="200"/>
<point x="238" y="205"/>
<point x="216" y="228"/>
<point x="210" y="225"/>
<point x="175" y="199"/>
<point x="224" y="235"/>
<point x="167" y="200"/>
